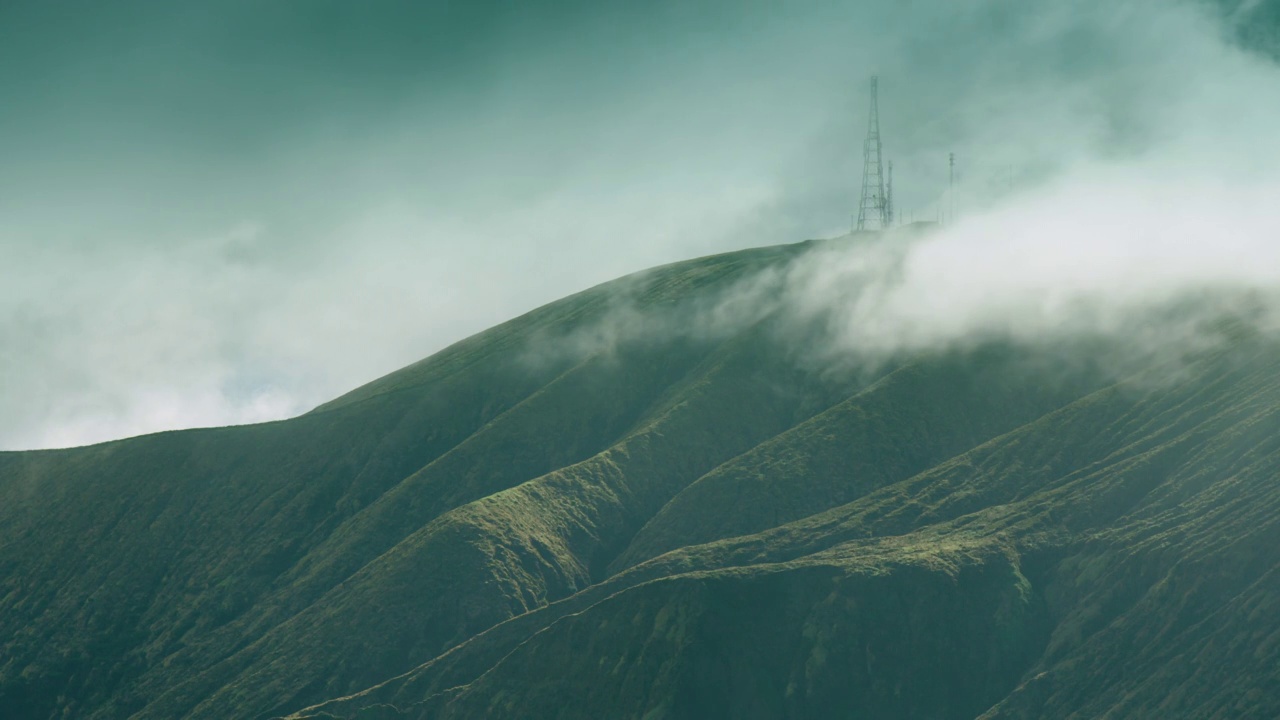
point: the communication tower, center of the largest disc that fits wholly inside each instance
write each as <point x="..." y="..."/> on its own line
<point x="874" y="211"/>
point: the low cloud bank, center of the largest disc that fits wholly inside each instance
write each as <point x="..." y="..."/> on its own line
<point x="1148" y="212"/>
<point x="1119" y="175"/>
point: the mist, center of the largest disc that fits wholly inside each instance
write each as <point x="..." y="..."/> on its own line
<point x="235" y="215"/>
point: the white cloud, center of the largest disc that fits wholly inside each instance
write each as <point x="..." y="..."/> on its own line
<point x="1114" y="155"/>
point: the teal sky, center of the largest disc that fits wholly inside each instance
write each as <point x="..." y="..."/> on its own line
<point x="229" y="211"/>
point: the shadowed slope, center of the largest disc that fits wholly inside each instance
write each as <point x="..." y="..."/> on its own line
<point x="918" y="416"/>
<point x="1098" y="544"/>
<point x="136" y="565"/>
<point x="607" y="509"/>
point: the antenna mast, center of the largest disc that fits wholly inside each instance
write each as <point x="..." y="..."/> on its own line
<point x="888" y="198"/>
<point x="951" y="188"/>
<point x="873" y="210"/>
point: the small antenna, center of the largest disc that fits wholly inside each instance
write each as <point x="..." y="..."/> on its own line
<point x="951" y="188"/>
<point x="888" y="199"/>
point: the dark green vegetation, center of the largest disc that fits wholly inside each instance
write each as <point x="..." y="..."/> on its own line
<point x="540" y="523"/>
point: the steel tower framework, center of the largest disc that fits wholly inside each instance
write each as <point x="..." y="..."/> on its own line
<point x="874" y="209"/>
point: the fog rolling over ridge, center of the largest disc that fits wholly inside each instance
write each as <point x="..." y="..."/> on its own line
<point x="236" y="214"/>
<point x="590" y="404"/>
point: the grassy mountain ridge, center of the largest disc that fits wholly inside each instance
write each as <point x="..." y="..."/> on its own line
<point x="901" y="425"/>
<point x="557" y="519"/>
<point x="1060" y="518"/>
<point x="503" y="554"/>
<point x="190" y="543"/>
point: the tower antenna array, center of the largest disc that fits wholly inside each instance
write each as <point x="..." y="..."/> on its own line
<point x="874" y="209"/>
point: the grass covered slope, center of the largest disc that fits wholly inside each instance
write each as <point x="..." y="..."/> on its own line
<point x="1115" y="556"/>
<point x="154" y="575"/>
<point x="556" y="518"/>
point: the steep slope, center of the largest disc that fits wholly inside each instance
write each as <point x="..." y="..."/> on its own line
<point x="613" y="507"/>
<point x="923" y="413"/>
<point x="165" y="566"/>
<point x="1113" y="558"/>
<point x="506" y="553"/>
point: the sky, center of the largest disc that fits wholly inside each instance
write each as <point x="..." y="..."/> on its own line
<point x="231" y="211"/>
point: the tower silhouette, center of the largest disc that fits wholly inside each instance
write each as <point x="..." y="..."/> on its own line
<point x="874" y="209"/>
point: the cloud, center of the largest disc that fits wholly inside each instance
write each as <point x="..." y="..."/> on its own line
<point x="1155" y="221"/>
<point x="218" y="255"/>
<point x="1169" y="194"/>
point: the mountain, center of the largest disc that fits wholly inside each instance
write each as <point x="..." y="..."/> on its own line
<point x="614" y="506"/>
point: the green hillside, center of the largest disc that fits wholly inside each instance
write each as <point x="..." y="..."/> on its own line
<point x="680" y="519"/>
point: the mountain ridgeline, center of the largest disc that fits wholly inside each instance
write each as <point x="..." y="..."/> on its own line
<point x="700" y="524"/>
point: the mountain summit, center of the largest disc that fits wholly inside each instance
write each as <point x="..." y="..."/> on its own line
<point x="606" y="508"/>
